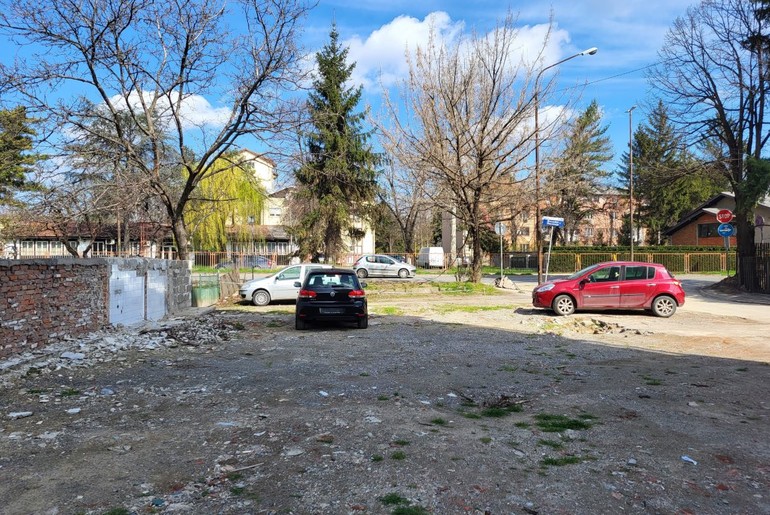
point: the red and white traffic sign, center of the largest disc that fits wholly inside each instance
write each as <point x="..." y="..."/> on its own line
<point x="724" y="216"/>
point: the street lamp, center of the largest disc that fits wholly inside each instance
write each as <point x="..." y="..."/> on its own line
<point x="631" y="181"/>
<point x="538" y="230"/>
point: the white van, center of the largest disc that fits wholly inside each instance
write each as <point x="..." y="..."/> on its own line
<point x="431" y="257"/>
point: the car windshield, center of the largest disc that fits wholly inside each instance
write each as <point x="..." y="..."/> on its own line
<point x="333" y="280"/>
<point x="582" y="272"/>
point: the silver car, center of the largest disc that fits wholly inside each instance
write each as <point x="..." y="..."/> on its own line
<point x="380" y="265"/>
<point x="279" y="286"/>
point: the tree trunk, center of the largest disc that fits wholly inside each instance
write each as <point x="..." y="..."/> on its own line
<point x="179" y="231"/>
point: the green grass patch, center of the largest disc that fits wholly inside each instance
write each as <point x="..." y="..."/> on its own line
<point x="410" y="510"/>
<point x="454" y="308"/>
<point x="651" y="381"/>
<point x="557" y="423"/>
<point x="70" y="392"/>
<point x="470" y="415"/>
<point x="485" y="439"/>
<point x="388" y="310"/>
<point x="553" y="444"/>
<point x="393" y="499"/>
<point x="377" y="457"/>
<point x="398" y="455"/>
<point x="383" y="398"/>
<point x="237" y="490"/>
<point x="499" y="412"/>
<point x="465" y="288"/>
<point x="401" y="443"/>
<point x="438" y="421"/>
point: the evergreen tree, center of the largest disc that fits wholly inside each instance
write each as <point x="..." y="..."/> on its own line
<point x="337" y="183"/>
<point x="577" y="174"/>
<point x="668" y="181"/>
<point x="16" y="160"/>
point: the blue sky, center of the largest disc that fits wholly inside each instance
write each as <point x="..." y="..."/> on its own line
<point x="628" y="34"/>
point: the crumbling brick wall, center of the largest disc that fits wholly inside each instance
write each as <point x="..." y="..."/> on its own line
<point x="49" y="299"/>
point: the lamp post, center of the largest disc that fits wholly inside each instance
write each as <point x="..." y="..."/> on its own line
<point x="538" y="229"/>
<point x="631" y="181"/>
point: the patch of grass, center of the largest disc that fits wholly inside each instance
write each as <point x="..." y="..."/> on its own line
<point x="474" y="416"/>
<point x="651" y="381"/>
<point x="364" y="374"/>
<point x="742" y="369"/>
<point x="237" y="490"/>
<point x="465" y="287"/>
<point x="70" y="392"/>
<point x="274" y="323"/>
<point x="392" y="499"/>
<point x="234" y="476"/>
<point x="551" y="443"/>
<point x="485" y="439"/>
<point x="238" y="326"/>
<point x="499" y="412"/>
<point x="383" y="398"/>
<point x="438" y="421"/>
<point x="377" y="457"/>
<point x="522" y="425"/>
<point x="561" y="461"/>
<point x="508" y="368"/>
<point x="453" y="308"/>
<point x="557" y="423"/>
<point x="401" y="443"/>
<point x="389" y="310"/>
<point x="36" y="391"/>
<point x="398" y="455"/>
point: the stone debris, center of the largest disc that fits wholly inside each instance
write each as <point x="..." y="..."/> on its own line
<point x="19" y="414"/>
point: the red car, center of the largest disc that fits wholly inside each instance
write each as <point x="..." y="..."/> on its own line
<point x="613" y="285"/>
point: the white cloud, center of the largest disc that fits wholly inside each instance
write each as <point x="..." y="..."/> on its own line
<point x="196" y="112"/>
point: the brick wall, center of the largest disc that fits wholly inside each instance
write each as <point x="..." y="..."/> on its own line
<point x="688" y="235"/>
<point x="45" y="300"/>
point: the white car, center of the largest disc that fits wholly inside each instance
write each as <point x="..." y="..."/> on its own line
<point x="279" y="286"/>
<point x="383" y="266"/>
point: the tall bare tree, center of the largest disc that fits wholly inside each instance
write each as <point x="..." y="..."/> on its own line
<point x="714" y="74"/>
<point x="464" y="122"/>
<point x="157" y="61"/>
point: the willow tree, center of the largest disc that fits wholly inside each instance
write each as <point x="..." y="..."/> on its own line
<point x="227" y="199"/>
<point x="185" y="75"/>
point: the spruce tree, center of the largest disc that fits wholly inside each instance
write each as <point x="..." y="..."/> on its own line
<point x="337" y="182"/>
<point x="16" y="156"/>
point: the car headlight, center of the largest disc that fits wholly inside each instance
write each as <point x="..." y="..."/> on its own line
<point x="545" y="288"/>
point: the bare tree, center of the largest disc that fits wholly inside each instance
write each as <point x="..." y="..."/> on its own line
<point x="714" y="73"/>
<point x="464" y="123"/>
<point x="149" y="65"/>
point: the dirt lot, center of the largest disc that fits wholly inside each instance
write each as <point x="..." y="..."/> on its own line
<point x="445" y="404"/>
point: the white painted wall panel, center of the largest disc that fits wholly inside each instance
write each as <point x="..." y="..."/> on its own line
<point x="156" y="294"/>
<point x="126" y="297"/>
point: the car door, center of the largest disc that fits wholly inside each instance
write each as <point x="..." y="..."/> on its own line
<point x="637" y="286"/>
<point x="283" y="287"/>
<point x="387" y="266"/>
<point x="601" y="289"/>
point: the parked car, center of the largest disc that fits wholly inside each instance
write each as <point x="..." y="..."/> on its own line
<point x="613" y="285"/>
<point x="380" y="265"/>
<point x="246" y="262"/>
<point x="431" y="257"/>
<point x="279" y="286"/>
<point x="331" y="294"/>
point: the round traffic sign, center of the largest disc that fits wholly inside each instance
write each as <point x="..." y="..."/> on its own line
<point x="500" y="228"/>
<point x="724" y="216"/>
<point x="726" y="230"/>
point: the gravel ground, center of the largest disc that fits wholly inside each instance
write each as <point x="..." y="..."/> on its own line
<point x="445" y="404"/>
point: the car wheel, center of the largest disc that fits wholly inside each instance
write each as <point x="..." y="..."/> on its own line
<point x="363" y="323"/>
<point x="663" y="306"/>
<point x="299" y="324"/>
<point x="261" y="298"/>
<point x="403" y="273"/>
<point x="563" y="305"/>
<point x="362" y="273"/>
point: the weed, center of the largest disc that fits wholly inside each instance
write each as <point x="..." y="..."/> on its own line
<point x="651" y="381"/>
<point x="499" y="412"/>
<point x="472" y="415"/>
<point x="557" y="423"/>
<point x="393" y="499"/>
<point x="508" y="368"/>
<point x="485" y="439"/>
<point x="453" y="308"/>
<point x="390" y="310"/>
<point x="36" y="391"/>
<point x="237" y="490"/>
<point x="376" y="458"/>
<point x="522" y="425"/>
<point x="364" y="374"/>
<point x="559" y="462"/>
<point x="383" y="398"/>
<point x="70" y="392"/>
<point x="274" y="323"/>
<point x="742" y="369"/>
<point x="401" y="443"/>
<point x="551" y="443"/>
<point x="398" y="455"/>
<point x="439" y="422"/>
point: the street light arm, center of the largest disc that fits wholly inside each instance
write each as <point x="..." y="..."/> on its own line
<point x="589" y="51"/>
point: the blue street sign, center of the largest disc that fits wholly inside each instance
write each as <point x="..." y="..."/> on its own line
<point x="726" y="230"/>
<point x="552" y="221"/>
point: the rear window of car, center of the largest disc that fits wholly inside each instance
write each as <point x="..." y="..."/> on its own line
<point x="333" y="280"/>
<point x="639" y="273"/>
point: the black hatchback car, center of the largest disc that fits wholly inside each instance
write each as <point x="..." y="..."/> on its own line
<point x="331" y="294"/>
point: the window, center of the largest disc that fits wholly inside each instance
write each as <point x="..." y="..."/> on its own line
<point x="290" y="273"/>
<point x="708" y="230"/>
<point x="611" y="273"/>
<point x="524" y="231"/>
<point x="590" y="215"/>
<point x="275" y="211"/>
<point x="639" y="273"/>
<point x="525" y="216"/>
<point x="588" y="232"/>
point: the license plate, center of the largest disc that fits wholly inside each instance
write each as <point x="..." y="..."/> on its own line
<point x="331" y="311"/>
